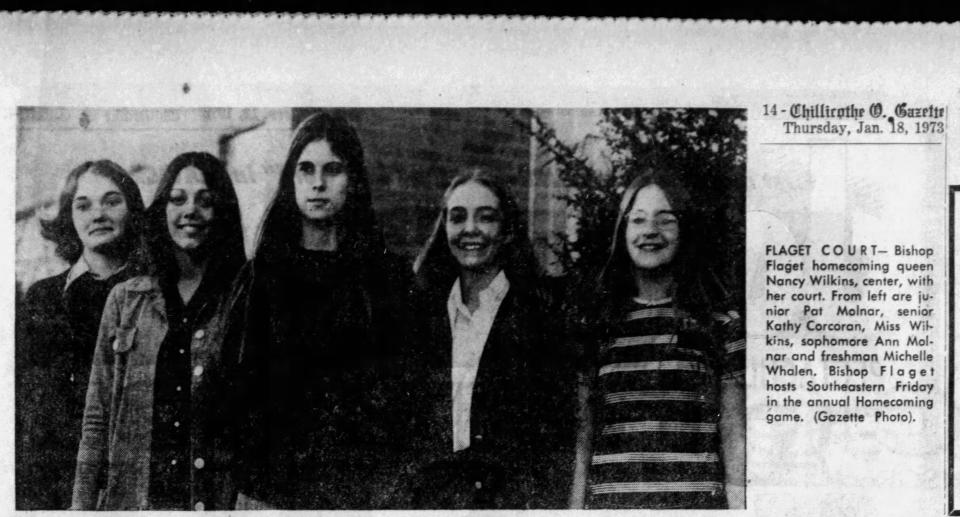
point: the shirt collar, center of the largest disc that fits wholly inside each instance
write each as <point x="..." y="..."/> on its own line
<point x="493" y="293"/>
<point x="496" y="290"/>
<point x="659" y="301"/>
<point x="78" y="269"/>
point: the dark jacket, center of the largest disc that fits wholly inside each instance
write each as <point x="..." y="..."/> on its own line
<point x="56" y="334"/>
<point x="316" y="417"/>
<point x="522" y="410"/>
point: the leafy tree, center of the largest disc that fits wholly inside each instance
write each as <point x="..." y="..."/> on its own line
<point x="707" y="145"/>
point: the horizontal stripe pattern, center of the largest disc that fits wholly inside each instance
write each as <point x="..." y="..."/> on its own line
<point x="735" y="346"/>
<point x="652" y="396"/>
<point x="725" y="317"/>
<point x="662" y="339"/>
<point x="689" y="366"/>
<point x="688" y="486"/>
<point x="658" y="427"/>
<point x="656" y="457"/>
<point x="657" y="443"/>
<point x="658" y="312"/>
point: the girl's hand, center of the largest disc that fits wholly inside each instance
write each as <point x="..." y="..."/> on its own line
<point x="736" y="497"/>
<point x="245" y="502"/>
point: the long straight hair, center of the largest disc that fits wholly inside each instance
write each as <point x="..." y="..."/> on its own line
<point x="282" y="226"/>
<point x="225" y="245"/>
<point x="436" y="268"/>
<point x="697" y="288"/>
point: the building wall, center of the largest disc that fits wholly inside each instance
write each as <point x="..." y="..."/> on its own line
<point x="578" y="130"/>
<point x="52" y="141"/>
<point x="411" y="154"/>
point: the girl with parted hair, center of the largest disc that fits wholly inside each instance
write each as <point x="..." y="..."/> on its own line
<point x="496" y="389"/>
<point x="97" y="230"/>
<point x="317" y="319"/>
<point x="667" y="429"/>
<point x="151" y="436"/>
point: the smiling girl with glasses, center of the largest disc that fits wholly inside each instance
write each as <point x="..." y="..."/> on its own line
<point x="667" y="425"/>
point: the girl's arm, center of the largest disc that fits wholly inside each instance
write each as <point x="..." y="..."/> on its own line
<point x="733" y="411"/>
<point x="583" y="444"/>
<point x="92" y="456"/>
<point x="733" y="439"/>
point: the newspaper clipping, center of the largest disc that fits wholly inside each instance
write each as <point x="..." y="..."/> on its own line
<point x="291" y="262"/>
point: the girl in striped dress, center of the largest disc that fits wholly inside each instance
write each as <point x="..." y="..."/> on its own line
<point x="668" y="388"/>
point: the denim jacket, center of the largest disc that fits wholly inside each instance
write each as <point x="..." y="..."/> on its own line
<point x="113" y="462"/>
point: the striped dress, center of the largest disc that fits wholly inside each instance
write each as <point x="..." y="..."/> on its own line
<point x="656" y="443"/>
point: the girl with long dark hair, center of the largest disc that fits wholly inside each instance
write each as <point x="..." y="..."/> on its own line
<point x="497" y="389"/>
<point x="151" y="428"/>
<point x="317" y="318"/>
<point x="668" y="389"/>
<point x="97" y="230"/>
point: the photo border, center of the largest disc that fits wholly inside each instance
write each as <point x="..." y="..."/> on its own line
<point x="953" y="194"/>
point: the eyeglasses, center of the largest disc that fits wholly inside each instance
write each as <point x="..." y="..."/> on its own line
<point x="662" y="222"/>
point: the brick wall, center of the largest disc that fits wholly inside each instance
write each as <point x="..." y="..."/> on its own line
<point x="412" y="153"/>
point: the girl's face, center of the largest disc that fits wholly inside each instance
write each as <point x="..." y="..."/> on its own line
<point x="190" y="212"/>
<point x="652" y="230"/>
<point x="99" y="211"/>
<point x="320" y="182"/>
<point x="474" y="226"/>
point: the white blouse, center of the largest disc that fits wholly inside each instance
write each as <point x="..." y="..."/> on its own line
<point x="470" y="331"/>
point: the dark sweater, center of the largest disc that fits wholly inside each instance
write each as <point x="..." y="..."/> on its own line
<point x="314" y="392"/>
<point x="55" y="337"/>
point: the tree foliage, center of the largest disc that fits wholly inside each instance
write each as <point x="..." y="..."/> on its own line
<point x="707" y="145"/>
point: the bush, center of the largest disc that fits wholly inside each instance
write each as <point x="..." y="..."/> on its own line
<point x="708" y="145"/>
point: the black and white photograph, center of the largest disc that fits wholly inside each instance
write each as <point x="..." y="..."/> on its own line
<point x="380" y="308"/>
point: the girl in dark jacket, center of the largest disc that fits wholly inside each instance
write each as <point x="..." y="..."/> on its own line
<point x="97" y="231"/>
<point x="317" y="320"/>
<point x="497" y="390"/>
